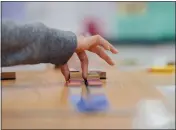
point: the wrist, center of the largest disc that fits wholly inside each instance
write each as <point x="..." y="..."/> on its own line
<point x="79" y="42"/>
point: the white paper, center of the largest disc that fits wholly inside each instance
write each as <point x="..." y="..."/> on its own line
<point x="169" y="93"/>
<point x="152" y="114"/>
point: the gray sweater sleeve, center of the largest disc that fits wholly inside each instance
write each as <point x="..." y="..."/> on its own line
<point x="35" y="43"/>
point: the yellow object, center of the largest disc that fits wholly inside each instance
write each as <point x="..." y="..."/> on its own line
<point x="93" y="75"/>
<point x="165" y="69"/>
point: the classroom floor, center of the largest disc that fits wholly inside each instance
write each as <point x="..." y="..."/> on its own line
<point x="40" y="100"/>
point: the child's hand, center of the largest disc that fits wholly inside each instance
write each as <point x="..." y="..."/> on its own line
<point x="95" y="44"/>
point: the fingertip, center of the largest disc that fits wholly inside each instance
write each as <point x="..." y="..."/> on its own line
<point x="66" y="83"/>
<point x="66" y="75"/>
<point x="115" y="51"/>
<point x="113" y="63"/>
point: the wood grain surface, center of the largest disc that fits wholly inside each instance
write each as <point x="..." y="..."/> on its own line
<point x="40" y="100"/>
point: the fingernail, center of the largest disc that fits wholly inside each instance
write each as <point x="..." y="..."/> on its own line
<point x="67" y="77"/>
<point x="66" y="83"/>
<point x="116" y="50"/>
<point x="113" y="63"/>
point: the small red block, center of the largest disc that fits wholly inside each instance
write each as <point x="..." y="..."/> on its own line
<point x="94" y="82"/>
<point x="77" y="79"/>
<point x="74" y="83"/>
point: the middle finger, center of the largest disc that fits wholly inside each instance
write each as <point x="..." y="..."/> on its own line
<point x="101" y="53"/>
<point x="84" y="63"/>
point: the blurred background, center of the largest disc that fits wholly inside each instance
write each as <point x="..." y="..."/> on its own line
<point x="143" y="32"/>
<point x="117" y="21"/>
<point x="144" y="29"/>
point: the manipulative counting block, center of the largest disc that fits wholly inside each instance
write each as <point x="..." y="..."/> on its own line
<point x="93" y="75"/>
<point x="94" y="82"/>
<point x="171" y="63"/>
<point x="77" y="79"/>
<point x="94" y="86"/>
<point x="101" y="74"/>
<point x="8" y="76"/>
<point x="161" y="70"/>
<point x="73" y="70"/>
<point x="74" y="83"/>
<point x="75" y="75"/>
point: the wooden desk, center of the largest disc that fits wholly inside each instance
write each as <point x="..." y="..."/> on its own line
<point x="40" y="100"/>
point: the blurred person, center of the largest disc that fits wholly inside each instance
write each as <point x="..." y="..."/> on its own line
<point x="36" y="43"/>
<point x="92" y="26"/>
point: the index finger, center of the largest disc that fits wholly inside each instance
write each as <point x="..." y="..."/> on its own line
<point x="98" y="40"/>
<point x="84" y="63"/>
<point x="65" y="71"/>
<point x="104" y="42"/>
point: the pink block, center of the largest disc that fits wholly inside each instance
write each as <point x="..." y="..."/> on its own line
<point x="74" y="83"/>
<point x="96" y="82"/>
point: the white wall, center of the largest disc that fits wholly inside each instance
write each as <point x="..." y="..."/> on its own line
<point x="69" y="15"/>
<point x="62" y="15"/>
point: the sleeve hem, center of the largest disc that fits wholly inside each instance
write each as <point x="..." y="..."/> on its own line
<point x="62" y="47"/>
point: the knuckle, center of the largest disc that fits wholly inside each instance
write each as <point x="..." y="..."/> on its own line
<point x="99" y="53"/>
<point x="97" y="38"/>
